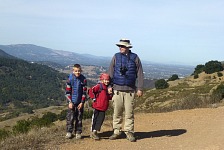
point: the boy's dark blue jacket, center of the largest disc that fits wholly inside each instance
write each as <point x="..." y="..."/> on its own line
<point x="76" y="88"/>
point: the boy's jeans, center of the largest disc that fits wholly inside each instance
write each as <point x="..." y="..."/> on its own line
<point x="123" y="100"/>
<point x="74" y="115"/>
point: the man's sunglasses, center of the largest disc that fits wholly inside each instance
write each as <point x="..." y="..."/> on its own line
<point x="122" y="46"/>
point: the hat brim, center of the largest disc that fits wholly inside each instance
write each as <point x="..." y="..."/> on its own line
<point x="124" y="44"/>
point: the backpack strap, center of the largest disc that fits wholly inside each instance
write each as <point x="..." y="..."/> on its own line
<point x="96" y="94"/>
<point x="101" y="87"/>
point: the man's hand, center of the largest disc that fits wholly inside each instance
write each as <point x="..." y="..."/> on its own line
<point x="139" y="93"/>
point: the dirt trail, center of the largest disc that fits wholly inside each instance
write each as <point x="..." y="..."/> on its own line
<point x="197" y="129"/>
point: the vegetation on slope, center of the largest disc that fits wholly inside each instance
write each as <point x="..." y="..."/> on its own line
<point x="26" y="86"/>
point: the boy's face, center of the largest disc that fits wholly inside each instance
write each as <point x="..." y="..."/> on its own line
<point x="105" y="81"/>
<point x="77" y="71"/>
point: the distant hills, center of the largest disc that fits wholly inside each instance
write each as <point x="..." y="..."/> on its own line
<point x="48" y="56"/>
<point x="3" y="54"/>
<point x="31" y="52"/>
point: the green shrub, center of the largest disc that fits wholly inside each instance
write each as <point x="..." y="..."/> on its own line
<point x="62" y="115"/>
<point x="219" y="74"/>
<point x="22" y="126"/>
<point x="46" y="120"/>
<point x="199" y="69"/>
<point x="161" y="84"/>
<point x="173" y="77"/>
<point x="87" y="114"/>
<point x="213" y="66"/>
<point x="4" y="134"/>
<point x="189" y="102"/>
<point x="39" y="122"/>
<point x="51" y="117"/>
<point x="196" y="76"/>
<point x="218" y="94"/>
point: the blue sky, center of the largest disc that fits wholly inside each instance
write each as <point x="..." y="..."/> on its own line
<point x="188" y="32"/>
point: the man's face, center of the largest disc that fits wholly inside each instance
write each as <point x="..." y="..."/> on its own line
<point x="123" y="49"/>
<point x="77" y="71"/>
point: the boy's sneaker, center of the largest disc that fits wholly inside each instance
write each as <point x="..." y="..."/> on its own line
<point x="68" y="135"/>
<point x="94" y="135"/>
<point x="130" y="137"/>
<point x="78" y="136"/>
<point x="114" y="137"/>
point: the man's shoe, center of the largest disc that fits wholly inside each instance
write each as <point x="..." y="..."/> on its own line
<point x="130" y="137"/>
<point x="94" y="135"/>
<point x="78" y="136"/>
<point x="114" y="137"/>
<point x="68" y="135"/>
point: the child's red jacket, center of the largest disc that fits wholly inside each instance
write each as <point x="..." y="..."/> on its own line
<point x="102" y="97"/>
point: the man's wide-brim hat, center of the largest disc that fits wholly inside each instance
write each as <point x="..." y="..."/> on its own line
<point x="124" y="42"/>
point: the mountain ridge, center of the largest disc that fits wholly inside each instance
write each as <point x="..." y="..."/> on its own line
<point x="32" y="52"/>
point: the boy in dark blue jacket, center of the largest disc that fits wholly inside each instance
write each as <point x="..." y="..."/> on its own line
<point x="76" y="87"/>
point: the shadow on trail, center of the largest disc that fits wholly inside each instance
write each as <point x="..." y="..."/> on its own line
<point x="143" y="135"/>
<point x="105" y="135"/>
<point x="160" y="133"/>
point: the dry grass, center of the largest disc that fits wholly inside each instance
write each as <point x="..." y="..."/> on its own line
<point x="184" y="93"/>
<point x="44" y="138"/>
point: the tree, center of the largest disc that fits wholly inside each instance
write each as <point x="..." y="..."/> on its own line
<point x="213" y="66"/>
<point x="161" y="84"/>
<point x="199" y="69"/>
<point x="173" y="77"/>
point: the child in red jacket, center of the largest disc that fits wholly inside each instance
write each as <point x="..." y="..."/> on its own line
<point x="100" y="104"/>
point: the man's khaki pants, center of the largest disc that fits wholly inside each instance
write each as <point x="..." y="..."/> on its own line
<point x="123" y="101"/>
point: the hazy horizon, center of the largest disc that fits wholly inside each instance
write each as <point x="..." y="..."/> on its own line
<point x="173" y="32"/>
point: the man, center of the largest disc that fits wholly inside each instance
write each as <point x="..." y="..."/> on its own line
<point x="125" y="69"/>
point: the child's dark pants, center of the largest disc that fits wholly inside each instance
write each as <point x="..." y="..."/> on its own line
<point x="97" y="119"/>
<point x="74" y="114"/>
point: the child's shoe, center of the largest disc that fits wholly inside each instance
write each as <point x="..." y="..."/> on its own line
<point x="94" y="135"/>
<point x="68" y="135"/>
<point x="78" y="136"/>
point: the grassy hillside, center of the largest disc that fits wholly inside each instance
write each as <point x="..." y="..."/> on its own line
<point x="186" y="93"/>
<point x="26" y="86"/>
